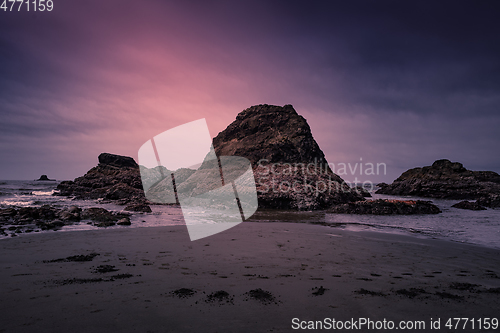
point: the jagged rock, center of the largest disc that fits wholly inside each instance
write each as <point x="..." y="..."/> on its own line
<point x="114" y="178"/>
<point x="491" y="200"/>
<point x="124" y="221"/>
<point x="122" y="191"/>
<point x="290" y="169"/>
<point x="55" y="224"/>
<point x="67" y="216"/>
<point x="446" y="180"/>
<point x="387" y="207"/>
<point x="98" y="215"/>
<point x="468" y="205"/>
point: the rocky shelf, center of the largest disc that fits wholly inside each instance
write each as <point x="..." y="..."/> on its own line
<point x="387" y="207"/>
<point x="447" y="180"/>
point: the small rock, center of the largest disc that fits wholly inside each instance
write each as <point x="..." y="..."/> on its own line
<point x="124" y="221"/>
<point x="469" y="205"/>
<point x="138" y="208"/>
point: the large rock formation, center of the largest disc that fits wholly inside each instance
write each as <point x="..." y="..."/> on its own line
<point x="114" y="178"/>
<point x="447" y="180"/>
<point x="289" y="167"/>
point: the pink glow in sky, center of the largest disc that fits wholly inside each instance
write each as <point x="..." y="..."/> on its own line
<point x="106" y="76"/>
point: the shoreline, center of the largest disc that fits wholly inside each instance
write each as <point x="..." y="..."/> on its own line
<point x="303" y="271"/>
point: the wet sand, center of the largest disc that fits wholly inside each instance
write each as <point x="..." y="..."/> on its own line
<point x="255" y="277"/>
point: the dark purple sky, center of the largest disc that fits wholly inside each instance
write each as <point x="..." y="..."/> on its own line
<point x="397" y="82"/>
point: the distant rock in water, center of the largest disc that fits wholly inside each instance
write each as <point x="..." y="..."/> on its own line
<point x="290" y="169"/>
<point x="117" y="161"/>
<point x="469" y="205"/>
<point x="387" y="207"/>
<point x="45" y="178"/>
<point x="447" y="180"/>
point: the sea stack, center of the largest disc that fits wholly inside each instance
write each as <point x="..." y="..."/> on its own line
<point x="291" y="171"/>
<point x="115" y="178"/>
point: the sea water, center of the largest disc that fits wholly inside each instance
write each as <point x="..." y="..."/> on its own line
<point x="459" y="225"/>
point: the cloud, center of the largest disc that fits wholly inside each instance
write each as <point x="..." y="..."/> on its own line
<point x="388" y="80"/>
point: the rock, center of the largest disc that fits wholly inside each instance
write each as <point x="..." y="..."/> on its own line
<point x="138" y="208"/>
<point x="362" y="191"/>
<point x="290" y="169"/>
<point x="74" y="209"/>
<point x="446" y="180"/>
<point x="387" y="207"/>
<point x="115" y="178"/>
<point x="51" y="225"/>
<point x="124" y="221"/>
<point x="67" y="216"/>
<point x="122" y="191"/>
<point x="117" y="161"/>
<point x="98" y="215"/>
<point x="468" y="205"/>
<point x="45" y="178"/>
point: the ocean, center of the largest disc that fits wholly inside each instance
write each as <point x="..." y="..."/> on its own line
<point x="458" y="225"/>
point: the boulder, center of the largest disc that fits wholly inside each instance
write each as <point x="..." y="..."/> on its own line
<point x="45" y="178"/>
<point x="491" y="200"/>
<point x="98" y="215"/>
<point x="468" y="205"/>
<point x="290" y="169"/>
<point x="362" y="191"/>
<point x="117" y="161"/>
<point x="138" y="207"/>
<point x="115" y="178"/>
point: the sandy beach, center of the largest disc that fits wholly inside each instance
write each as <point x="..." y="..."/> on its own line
<point x="256" y="277"/>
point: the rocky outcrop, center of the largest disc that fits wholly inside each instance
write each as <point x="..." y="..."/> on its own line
<point x="45" y="178"/>
<point x="446" y="180"/>
<point x="115" y="178"/>
<point x="290" y="169"/>
<point x="468" y="205"/>
<point x="387" y="207"/>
